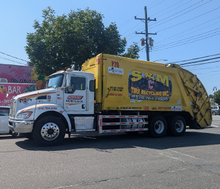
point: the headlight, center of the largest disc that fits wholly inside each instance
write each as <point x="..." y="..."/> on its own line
<point x="24" y="115"/>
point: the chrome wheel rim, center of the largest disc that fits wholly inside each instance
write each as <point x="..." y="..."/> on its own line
<point x="159" y="127"/>
<point x="179" y="126"/>
<point x="50" y="131"/>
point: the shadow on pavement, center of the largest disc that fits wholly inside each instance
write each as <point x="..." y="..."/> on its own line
<point x="117" y="141"/>
<point x="8" y="136"/>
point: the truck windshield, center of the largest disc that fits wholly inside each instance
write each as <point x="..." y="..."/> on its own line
<point x="55" y="81"/>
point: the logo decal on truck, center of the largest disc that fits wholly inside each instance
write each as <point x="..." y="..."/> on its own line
<point x="74" y="99"/>
<point x="25" y="101"/>
<point x="149" y="86"/>
<point x="116" y="70"/>
<point x="176" y="108"/>
<point x="34" y="95"/>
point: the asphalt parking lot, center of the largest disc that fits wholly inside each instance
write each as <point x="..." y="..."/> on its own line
<point x="114" y="161"/>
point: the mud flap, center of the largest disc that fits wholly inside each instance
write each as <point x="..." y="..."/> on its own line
<point x="194" y="125"/>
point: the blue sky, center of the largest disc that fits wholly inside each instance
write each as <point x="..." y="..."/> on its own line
<point x="186" y="29"/>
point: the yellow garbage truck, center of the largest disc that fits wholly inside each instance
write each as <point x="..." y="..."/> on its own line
<point x="113" y="94"/>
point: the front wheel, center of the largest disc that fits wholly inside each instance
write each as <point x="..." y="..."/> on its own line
<point x="49" y="131"/>
<point x="158" y="127"/>
<point x="177" y="126"/>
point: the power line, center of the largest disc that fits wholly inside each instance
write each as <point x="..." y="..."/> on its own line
<point x="138" y="24"/>
<point x="199" y="64"/>
<point x="134" y="34"/>
<point x="155" y="5"/>
<point x="12" y="60"/>
<point x="141" y="23"/>
<point x="205" y="60"/>
<point x="132" y="28"/>
<point x="158" y="14"/>
<point x="175" y="15"/>
<point x="130" y="19"/>
<point x="188" y="41"/>
<point x="189" y="19"/>
<point x="14" y="57"/>
<point x="195" y="58"/>
<point x="197" y="36"/>
<point x="204" y="71"/>
<point x="197" y="26"/>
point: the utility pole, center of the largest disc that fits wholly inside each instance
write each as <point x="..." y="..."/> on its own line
<point x="146" y="31"/>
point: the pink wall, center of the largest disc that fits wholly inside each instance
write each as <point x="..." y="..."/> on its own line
<point x="13" y="89"/>
<point x="16" y="74"/>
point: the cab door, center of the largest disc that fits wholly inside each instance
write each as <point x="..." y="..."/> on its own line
<point x="75" y="99"/>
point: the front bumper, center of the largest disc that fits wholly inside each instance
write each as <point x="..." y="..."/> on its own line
<point x="21" y="126"/>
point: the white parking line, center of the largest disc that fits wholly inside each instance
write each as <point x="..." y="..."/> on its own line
<point x="191" y="160"/>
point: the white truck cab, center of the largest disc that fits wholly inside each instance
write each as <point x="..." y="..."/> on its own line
<point x="66" y="105"/>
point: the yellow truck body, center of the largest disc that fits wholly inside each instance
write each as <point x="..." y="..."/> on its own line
<point x="124" y="84"/>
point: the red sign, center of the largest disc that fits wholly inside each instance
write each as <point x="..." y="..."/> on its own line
<point x="76" y="97"/>
<point x="13" y="89"/>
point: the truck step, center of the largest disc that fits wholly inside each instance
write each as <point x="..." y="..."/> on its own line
<point x="85" y="130"/>
<point x="124" y="130"/>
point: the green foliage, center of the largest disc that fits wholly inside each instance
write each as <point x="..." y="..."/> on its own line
<point x="132" y="51"/>
<point x="217" y="97"/>
<point x="29" y="88"/>
<point x="211" y="96"/>
<point x="60" y="41"/>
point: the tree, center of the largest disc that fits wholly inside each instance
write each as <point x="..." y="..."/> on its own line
<point x="60" y="41"/>
<point x="217" y="97"/>
<point x="132" y="51"/>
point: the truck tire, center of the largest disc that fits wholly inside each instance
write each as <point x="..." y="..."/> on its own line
<point x="49" y="131"/>
<point x="158" y="127"/>
<point x="177" y="126"/>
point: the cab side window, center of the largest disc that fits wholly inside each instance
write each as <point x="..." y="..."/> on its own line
<point x="77" y="83"/>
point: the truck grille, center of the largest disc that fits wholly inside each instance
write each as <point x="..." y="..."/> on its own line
<point x="12" y="108"/>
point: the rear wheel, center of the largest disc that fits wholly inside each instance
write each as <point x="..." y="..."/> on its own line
<point x="177" y="126"/>
<point x="49" y="131"/>
<point x="158" y="127"/>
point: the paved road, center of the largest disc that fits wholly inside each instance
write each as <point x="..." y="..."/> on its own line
<point x="114" y="161"/>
